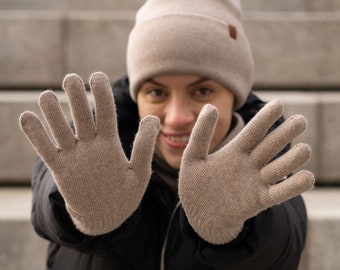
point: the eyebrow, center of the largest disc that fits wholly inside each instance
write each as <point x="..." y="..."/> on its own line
<point x="198" y="81"/>
<point x="155" y="82"/>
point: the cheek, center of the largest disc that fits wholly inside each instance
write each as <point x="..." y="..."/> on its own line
<point x="145" y="109"/>
<point x="142" y="113"/>
<point x="143" y="106"/>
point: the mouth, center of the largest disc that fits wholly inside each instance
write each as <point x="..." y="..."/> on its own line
<point x="176" y="140"/>
<point x="179" y="138"/>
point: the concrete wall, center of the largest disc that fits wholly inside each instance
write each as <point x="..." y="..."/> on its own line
<point x="295" y="45"/>
<point x="295" y="52"/>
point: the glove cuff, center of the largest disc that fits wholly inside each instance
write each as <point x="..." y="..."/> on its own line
<point x="96" y="223"/>
<point x="221" y="237"/>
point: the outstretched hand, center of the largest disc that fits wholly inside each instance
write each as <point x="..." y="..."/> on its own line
<point x="101" y="187"/>
<point x="220" y="191"/>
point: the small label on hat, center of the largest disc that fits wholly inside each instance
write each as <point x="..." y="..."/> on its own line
<point x="232" y="31"/>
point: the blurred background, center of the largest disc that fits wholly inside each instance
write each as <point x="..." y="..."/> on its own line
<point x="296" y="46"/>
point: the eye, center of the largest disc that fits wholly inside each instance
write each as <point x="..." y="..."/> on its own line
<point x="155" y="92"/>
<point x="202" y="91"/>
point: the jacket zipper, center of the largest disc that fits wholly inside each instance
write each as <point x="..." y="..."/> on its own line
<point x="167" y="235"/>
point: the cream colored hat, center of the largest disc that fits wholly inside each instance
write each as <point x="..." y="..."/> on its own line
<point x="200" y="37"/>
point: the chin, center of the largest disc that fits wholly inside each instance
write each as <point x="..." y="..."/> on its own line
<point x="173" y="158"/>
<point x="175" y="164"/>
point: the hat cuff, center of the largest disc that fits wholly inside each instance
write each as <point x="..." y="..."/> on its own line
<point x="190" y="45"/>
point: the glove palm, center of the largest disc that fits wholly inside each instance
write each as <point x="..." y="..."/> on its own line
<point x="220" y="191"/>
<point x="101" y="187"/>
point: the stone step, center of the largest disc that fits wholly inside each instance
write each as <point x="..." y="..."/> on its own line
<point x="20" y="246"/>
<point x="322" y="247"/>
<point x="291" y="49"/>
<point x="19" y="243"/>
<point x="291" y="5"/>
<point x="321" y="108"/>
<point x="40" y="47"/>
<point x="17" y="156"/>
<point x="325" y="5"/>
<point x="295" y="49"/>
<point x="70" y="5"/>
<point x="264" y="5"/>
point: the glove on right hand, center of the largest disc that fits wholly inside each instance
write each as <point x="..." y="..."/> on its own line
<point x="100" y="186"/>
<point x="220" y="191"/>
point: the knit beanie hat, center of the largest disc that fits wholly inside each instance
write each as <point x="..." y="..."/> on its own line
<point x="198" y="37"/>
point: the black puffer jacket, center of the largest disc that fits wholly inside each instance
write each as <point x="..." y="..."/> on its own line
<point x="158" y="232"/>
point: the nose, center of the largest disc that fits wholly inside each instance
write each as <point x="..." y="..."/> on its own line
<point x="179" y="114"/>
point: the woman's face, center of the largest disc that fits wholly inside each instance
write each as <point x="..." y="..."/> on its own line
<point x="177" y="100"/>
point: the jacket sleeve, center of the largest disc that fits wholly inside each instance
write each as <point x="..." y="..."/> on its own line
<point x="274" y="239"/>
<point x="52" y="222"/>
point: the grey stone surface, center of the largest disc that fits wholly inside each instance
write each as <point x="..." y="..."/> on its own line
<point x="20" y="246"/>
<point x="17" y="155"/>
<point x="295" y="50"/>
<point x="324" y="5"/>
<point x="295" y="45"/>
<point x="97" y="44"/>
<point x="105" y="4"/>
<point x="320" y="108"/>
<point x="290" y="49"/>
<point x="71" y="4"/>
<point x="38" y="48"/>
<point x="134" y="4"/>
<point x="298" y="102"/>
<point x="30" y="48"/>
<point x="252" y="5"/>
<point x="322" y="247"/>
<point x="22" y="249"/>
<point x="16" y="203"/>
<point x="322" y="112"/>
<point x="329" y="141"/>
<point x="273" y="5"/>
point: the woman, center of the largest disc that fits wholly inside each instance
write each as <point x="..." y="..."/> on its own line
<point x="183" y="182"/>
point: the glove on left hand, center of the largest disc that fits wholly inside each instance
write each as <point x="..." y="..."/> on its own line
<point x="219" y="192"/>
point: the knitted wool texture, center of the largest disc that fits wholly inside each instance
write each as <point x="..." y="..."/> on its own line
<point x="219" y="192"/>
<point x="201" y="37"/>
<point x="101" y="188"/>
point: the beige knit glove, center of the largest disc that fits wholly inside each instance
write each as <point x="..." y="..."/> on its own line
<point x="100" y="186"/>
<point x="220" y="191"/>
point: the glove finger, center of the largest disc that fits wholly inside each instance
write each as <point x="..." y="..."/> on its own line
<point x="80" y="107"/>
<point x="56" y="120"/>
<point x="144" y="146"/>
<point x="36" y="134"/>
<point x="255" y="130"/>
<point x="285" y="164"/>
<point x="291" y="187"/>
<point x="105" y="108"/>
<point x="200" y="138"/>
<point x="275" y="141"/>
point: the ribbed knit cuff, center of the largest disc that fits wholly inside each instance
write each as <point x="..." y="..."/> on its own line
<point x="221" y="237"/>
<point x="96" y="224"/>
